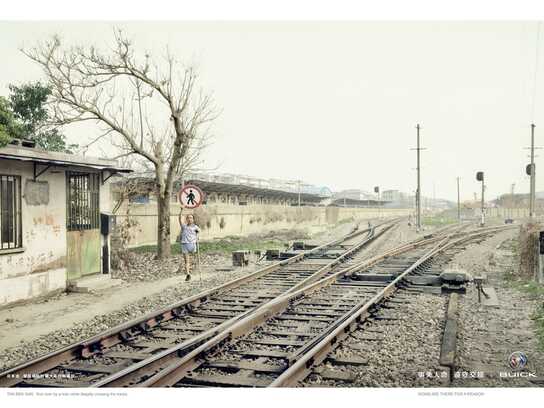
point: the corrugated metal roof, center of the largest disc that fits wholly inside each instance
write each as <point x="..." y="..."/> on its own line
<point x="59" y="159"/>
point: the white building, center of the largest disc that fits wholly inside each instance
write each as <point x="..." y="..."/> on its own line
<point x="50" y="220"/>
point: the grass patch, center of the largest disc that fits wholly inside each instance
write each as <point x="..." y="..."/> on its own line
<point x="224" y="246"/>
<point x="438" y="221"/>
<point x="534" y="291"/>
<point x="345" y="220"/>
<point x="531" y="288"/>
<point x="538" y="318"/>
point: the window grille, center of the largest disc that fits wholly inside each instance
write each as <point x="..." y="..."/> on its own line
<point x="82" y="201"/>
<point x="11" y="234"/>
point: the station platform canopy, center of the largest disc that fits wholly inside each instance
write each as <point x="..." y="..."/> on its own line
<point x="351" y="202"/>
<point x="237" y="189"/>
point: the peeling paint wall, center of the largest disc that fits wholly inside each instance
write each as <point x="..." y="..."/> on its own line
<point x="44" y="231"/>
<point x="41" y="267"/>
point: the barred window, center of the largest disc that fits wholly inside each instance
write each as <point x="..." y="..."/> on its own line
<point x="11" y="235"/>
<point x="82" y="201"/>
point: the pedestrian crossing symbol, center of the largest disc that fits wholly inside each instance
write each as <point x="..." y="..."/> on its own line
<point x="191" y="196"/>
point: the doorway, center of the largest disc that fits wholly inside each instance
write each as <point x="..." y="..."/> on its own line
<point x="82" y="224"/>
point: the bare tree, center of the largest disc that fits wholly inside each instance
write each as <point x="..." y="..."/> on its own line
<point x="150" y="109"/>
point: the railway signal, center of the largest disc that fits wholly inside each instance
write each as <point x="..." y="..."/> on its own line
<point x="480" y="177"/>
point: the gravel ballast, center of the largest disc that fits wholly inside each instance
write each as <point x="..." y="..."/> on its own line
<point x="488" y="335"/>
<point x="147" y="269"/>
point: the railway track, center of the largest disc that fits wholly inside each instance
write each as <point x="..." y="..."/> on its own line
<point x="279" y="343"/>
<point x="425" y="264"/>
<point x="188" y="323"/>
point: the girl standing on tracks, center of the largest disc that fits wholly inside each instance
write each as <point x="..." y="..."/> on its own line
<point x="189" y="242"/>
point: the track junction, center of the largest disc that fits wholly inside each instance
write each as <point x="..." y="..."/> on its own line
<point x="270" y="328"/>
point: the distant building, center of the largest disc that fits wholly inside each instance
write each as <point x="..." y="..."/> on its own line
<point x="391" y="195"/>
<point x="355" y="194"/>
<point x="398" y="199"/>
<point x="356" y="198"/>
<point x="520" y="200"/>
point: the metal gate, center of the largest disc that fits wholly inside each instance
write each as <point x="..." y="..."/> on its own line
<point x="82" y="224"/>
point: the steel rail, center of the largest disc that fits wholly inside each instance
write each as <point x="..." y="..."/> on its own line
<point x="156" y="361"/>
<point x="180" y="366"/>
<point x="317" y="354"/>
<point x="349" y="322"/>
<point x="117" y="334"/>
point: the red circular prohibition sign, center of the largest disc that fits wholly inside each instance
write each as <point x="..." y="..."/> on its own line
<point x="191" y="196"/>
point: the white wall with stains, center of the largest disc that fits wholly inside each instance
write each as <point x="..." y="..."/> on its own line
<point x="44" y="226"/>
<point x="40" y="268"/>
<point x="222" y="220"/>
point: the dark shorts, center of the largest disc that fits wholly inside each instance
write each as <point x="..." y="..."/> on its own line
<point x="188" y="247"/>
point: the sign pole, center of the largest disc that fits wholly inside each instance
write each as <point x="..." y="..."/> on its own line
<point x="198" y="258"/>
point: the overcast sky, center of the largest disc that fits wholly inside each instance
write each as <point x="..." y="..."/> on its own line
<point x="336" y="104"/>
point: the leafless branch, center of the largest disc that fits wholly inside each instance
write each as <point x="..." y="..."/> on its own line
<point x="148" y="108"/>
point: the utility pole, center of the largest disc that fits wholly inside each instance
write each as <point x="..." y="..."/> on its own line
<point x="458" y="202"/>
<point x="377" y="190"/>
<point x="434" y="196"/>
<point x="298" y="193"/>
<point x="512" y="200"/>
<point x="532" y="191"/>
<point x="483" y="211"/>
<point x="418" y="191"/>
<point x="418" y="184"/>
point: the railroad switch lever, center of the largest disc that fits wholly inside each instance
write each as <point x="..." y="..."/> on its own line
<point x="479" y="281"/>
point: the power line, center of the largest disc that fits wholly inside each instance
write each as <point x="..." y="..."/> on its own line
<point x="533" y="107"/>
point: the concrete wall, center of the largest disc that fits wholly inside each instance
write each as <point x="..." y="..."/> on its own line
<point x="40" y="267"/>
<point x="221" y="220"/>
<point x="509" y="212"/>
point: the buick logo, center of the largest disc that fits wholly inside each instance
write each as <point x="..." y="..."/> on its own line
<point x="517" y="360"/>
